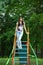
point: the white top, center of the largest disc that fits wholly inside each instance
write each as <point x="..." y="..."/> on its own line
<point x="20" y="28"/>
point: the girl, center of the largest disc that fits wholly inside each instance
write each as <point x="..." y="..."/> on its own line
<point x="20" y="26"/>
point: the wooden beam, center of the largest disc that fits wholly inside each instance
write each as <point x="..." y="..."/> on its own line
<point x="14" y="47"/>
<point x="28" y="49"/>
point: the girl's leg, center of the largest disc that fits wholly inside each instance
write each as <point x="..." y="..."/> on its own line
<point x="19" y="40"/>
<point x="19" y="44"/>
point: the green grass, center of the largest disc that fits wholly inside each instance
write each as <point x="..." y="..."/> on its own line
<point x="3" y="61"/>
<point x="40" y="61"/>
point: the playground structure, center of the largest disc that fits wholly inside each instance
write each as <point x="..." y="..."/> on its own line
<point x="22" y="56"/>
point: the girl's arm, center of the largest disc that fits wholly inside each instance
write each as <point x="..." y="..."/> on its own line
<point x="16" y="27"/>
<point x="25" y="29"/>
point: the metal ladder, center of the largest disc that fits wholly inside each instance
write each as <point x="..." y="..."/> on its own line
<point x="21" y="54"/>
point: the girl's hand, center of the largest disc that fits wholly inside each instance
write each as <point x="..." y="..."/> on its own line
<point x="15" y="34"/>
<point x="27" y="33"/>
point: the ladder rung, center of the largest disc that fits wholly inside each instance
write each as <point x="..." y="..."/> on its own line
<point x="21" y="52"/>
<point x="21" y="49"/>
<point x="20" y="61"/>
<point x="24" y="45"/>
<point x="20" y="57"/>
<point x="24" y="41"/>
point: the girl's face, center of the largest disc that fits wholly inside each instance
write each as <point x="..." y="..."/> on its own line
<point x="21" y="19"/>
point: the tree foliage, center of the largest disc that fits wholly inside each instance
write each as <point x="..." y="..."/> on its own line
<point x="32" y="12"/>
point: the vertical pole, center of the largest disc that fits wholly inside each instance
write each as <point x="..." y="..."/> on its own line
<point x="28" y="49"/>
<point x="14" y="47"/>
<point x="13" y="59"/>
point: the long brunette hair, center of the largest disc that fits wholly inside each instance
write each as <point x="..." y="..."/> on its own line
<point x="19" y="21"/>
